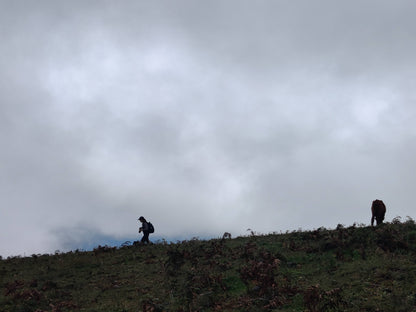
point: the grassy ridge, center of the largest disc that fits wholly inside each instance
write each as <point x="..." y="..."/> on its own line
<point x="352" y="268"/>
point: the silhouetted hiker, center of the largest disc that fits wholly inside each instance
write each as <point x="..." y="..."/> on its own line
<point x="146" y="228"/>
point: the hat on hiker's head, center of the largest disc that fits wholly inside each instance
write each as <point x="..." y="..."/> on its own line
<point x="141" y="218"/>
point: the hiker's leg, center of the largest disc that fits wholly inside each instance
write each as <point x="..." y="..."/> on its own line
<point x="145" y="238"/>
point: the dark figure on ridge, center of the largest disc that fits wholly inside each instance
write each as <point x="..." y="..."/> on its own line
<point x="378" y="210"/>
<point x="146" y="228"/>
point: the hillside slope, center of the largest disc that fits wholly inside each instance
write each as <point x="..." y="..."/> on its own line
<point x="352" y="268"/>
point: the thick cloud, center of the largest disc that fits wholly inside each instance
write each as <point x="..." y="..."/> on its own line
<point x="204" y="117"/>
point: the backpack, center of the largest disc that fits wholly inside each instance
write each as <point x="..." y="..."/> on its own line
<point x="151" y="227"/>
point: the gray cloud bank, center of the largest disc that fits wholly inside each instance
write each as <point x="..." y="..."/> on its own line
<point x="203" y="116"/>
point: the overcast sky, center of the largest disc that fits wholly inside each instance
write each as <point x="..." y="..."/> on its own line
<point x="202" y="116"/>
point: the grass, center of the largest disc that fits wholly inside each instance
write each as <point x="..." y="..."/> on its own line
<point x="354" y="268"/>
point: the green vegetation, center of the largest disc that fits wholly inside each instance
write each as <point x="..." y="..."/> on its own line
<point x="354" y="268"/>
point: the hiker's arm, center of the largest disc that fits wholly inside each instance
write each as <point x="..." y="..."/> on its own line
<point x="145" y="227"/>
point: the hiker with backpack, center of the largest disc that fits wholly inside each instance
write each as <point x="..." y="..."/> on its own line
<point x="146" y="228"/>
